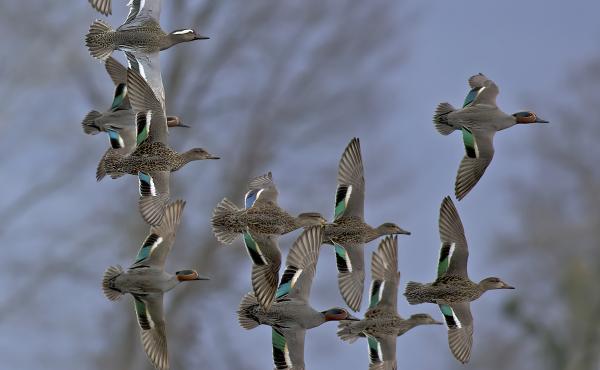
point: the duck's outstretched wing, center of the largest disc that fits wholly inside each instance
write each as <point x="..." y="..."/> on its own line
<point x="147" y="65"/>
<point x="154" y="195"/>
<point x="460" y="329"/>
<point x="385" y="275"/>
<point x="483" y="91"/>
<point x="149" y="310"/>
<point x="158" y="243"/>
<point x="261" y="189"/>
<point x="301" y="265"/>
<point x="288" y="348"/>
<point x="350" y="192"/>
<point x="265" y="255"/>
<point x="454" y="252"/>
<point x="103" y="6"/>
<point x="140" y="9"/>
<point x="350" y="259"/>
<point x="479" y="147"/>
<point x="382" y="352"/>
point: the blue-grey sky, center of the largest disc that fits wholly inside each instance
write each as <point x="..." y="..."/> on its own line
<point x="526" y="47"/>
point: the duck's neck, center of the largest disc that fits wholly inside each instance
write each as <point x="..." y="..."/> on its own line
<point x="169" y="40"/>
<point x="184" y="158"/>
<point x="374" y="233"/>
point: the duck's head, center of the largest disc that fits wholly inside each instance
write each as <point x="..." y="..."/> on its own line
<point x="528" y="117"/>
<point x="197" y="154"/>
<point x="187" y="35"/>
<point x="308" y="219"/>
<point x="494" y="283"/>
<point x="174" y="121"/>
<point x="424" y="319"/>
<point x="390" y="228"/>
<point x="189" y="275"/>
<point x="338" y="314"/>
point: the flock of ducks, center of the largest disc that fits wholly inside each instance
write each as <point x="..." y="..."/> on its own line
<point x="138" y="128"/>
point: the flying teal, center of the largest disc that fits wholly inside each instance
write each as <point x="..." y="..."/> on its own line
<point x="118" y="122"/>
<point x="291" y="314"/>
<point x="146" y="280"/>
<point x="349" y="232"/>
<point x="382" y="324"/>
<point x="153" y="160"/>
<point x="453" y="290"/>
<point x="479" y="119"/>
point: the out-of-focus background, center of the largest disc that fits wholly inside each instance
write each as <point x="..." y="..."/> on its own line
<point x="283" y="86"/>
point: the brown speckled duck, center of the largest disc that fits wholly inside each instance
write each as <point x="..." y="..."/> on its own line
<point x="453" y="290"/>
<point x="153" y="160"/>
<point x="349" y="232"/>
<point x="261" y="214"/>
<point x="382" y="324"/>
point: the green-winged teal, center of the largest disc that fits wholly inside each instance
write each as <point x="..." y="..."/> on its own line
<point x="349" y="232"/>
<point x="291" y="314"/>
<point x="103" y="6"/>
<point x="261" y="215"/>
<point x="453" y="290"/>
<point x="153" y="160"/>
<point x="146" y="280"/>
<point x="479" y="119"/>
<point x="141" y="32"/>
<point x="119" y="120"/>
<point x="382" y="324"/>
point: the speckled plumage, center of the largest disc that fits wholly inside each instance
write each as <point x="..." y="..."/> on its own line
<point x="349" y="232"/>
<point x="382" y="324"/>
<point x="445" y="290"/>
<point x="453" y="290"/>
<point x="148" y="157"/>
<point x="140" y="33"/>
<point x="263" y="216"/>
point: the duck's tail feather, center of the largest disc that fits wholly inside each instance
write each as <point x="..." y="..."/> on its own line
<point x="245" y="318"/>
<point x="107" y="282"/>
<point x="100" y="170"/>
<point x="440" y="118"/>
<point x="96" y="41"/>
<point x="223" y="211"/>
<point x="89" y="124"/>
<point x="348" y="331"/>
<point x="412" y="292"/>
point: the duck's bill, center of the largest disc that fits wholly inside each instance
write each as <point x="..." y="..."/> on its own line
<point x="539" y="120"/>
<point x="506" y="286"/>
<point x="404" y="232"/>
<point x="200" y="277"/>
<point x="200" y="37"/>
<point x="438" y="322"/>
<point x="213" y="157"/>
<point x="352" y="318"/>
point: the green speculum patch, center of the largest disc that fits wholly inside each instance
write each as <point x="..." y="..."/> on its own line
<point x="340" y="258"/>
<point x="340" y="200"/>
<point x="253" y="250"/>
<point x="375" y="290"/>
<point x="470" y="96"/>
<point x="470" y="144"/>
